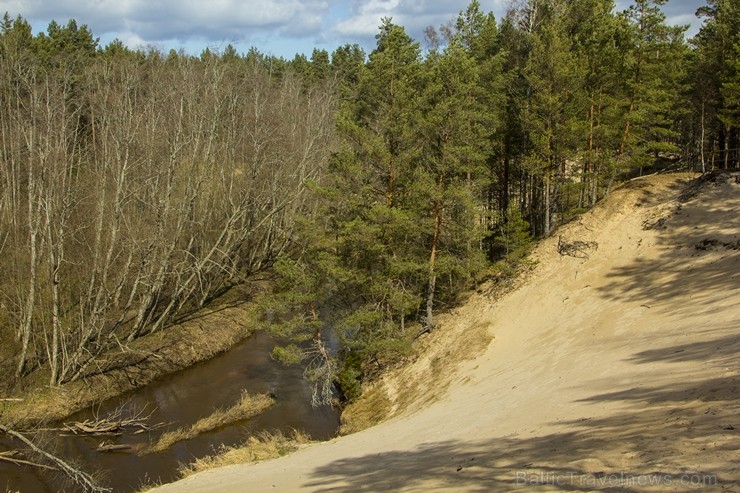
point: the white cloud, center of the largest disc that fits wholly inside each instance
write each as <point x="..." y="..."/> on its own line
<point x="132" y="40"/>
<point x="264" y="23"/>
<point x="682" y="19"/>
<point x="359" y="25"/>
<point x="365" y="17"/>
<point x="153" y="21"/>
<point x="414" y="15"/>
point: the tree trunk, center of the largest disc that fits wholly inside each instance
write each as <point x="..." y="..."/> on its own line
<point x="701" y="145"/>
<point x="548" y="204"/>
<point x="34" y="213"/>
<point x="590" y="156"/>
<point x="432" y="268"/>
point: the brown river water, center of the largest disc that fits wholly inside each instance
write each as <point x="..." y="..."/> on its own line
<point x="181" y="399"/>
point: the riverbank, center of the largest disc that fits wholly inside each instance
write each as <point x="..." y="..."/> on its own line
<point x="185" y="399"/>
<point x="207" y="333"/>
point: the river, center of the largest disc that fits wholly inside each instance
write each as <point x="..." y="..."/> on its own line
<point x="180" y="399"/>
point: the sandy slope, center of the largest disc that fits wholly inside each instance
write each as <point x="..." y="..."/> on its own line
<point x="622" y="363"/>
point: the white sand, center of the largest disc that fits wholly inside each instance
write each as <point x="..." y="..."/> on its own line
<point x="613" y="371"/>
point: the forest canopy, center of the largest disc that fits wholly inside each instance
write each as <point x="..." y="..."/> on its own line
<point x="137" y="186"/>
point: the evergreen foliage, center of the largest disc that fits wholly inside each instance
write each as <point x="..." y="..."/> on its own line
<point x="714" y="73"/>
<point x="514" y="238"/>
<point x="441" y="161"/>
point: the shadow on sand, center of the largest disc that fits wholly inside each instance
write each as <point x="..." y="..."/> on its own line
<point x="657" y="440"/>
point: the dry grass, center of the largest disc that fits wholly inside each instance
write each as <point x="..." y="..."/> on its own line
<point x="371" y="408"/>
<point x="247" y="407"/>
<point x="147" y="484"/>
<point x="264" y="446"/>
<point x="424" y="379"/>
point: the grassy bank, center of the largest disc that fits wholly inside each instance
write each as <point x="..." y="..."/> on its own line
<point x="257" y="448"/>
<point x="200" y="337"/>
<point x="247" y="407"/>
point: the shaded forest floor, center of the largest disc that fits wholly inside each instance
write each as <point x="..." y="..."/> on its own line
<point x="614" y="366"/>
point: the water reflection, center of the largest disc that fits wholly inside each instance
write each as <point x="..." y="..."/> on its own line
<point x="181" y="399"/>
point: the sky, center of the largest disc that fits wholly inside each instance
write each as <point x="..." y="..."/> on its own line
<point x="274" y="27"/>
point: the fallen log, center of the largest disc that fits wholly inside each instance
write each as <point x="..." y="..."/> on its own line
<point x="15" y="457"/>
<point x="81" y="478"/>
<point x="115" y="423"/>
<point x="93" y="427"/>
<point x="112" y="447"/>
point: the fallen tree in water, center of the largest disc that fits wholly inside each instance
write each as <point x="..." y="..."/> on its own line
<point x="79" y="477"/>
<point x="113" y="424"/>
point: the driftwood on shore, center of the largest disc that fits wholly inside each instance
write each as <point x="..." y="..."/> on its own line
<point x="92" y="427"/>
<point x="577" y="248"/>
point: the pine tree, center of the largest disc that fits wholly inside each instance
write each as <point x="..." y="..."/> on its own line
<point x="320" y="66"/>
<point x="347" y="63"/>
<point x="655" y="60"/>
<point x="714" y="71"/>
<point x="363" y="249"/>
<point x="730" y="114"/>
<point x="371" y="179"/>
<point x="594" y="30"/>
<point x="554" y="76"/>
<point x="452" y="166"/>
<point x="479" y="35"/>
<point x="514" y="238"/>
<point x="512" y="140"/>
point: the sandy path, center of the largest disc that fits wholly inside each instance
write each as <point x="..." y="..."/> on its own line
<point x="615" y="371"/>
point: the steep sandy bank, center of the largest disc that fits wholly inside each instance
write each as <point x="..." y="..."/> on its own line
<point x="616" y="369"/>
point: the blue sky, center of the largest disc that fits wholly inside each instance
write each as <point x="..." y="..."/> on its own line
<point x="278" y="27"/>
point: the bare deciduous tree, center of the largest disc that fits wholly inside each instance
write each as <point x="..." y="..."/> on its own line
<point x="135" y="191"/>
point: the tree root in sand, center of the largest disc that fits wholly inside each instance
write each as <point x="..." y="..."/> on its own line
<point x="577" y="249"/>
<point x="714" y="244"/>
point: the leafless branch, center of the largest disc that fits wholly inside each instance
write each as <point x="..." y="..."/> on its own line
<point x="81" y="478"/>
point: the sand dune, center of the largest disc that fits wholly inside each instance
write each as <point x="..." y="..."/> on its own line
<point x="618" y="369"/>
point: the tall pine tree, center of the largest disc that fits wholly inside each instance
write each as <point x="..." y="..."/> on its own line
<point x="655" y="57"/>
